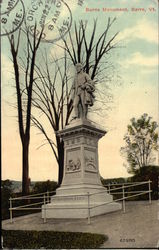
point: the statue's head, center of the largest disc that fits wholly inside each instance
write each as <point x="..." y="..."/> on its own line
<point x="79" y="67"/>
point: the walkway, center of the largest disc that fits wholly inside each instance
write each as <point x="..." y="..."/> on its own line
<point x="137" y="228"/>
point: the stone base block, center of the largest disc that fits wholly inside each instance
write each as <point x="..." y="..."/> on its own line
<point x="65" y="211"/>
<point x="72" y="202"/>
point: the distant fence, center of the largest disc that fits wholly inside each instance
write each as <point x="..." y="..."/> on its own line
<point x="45" y="198"/>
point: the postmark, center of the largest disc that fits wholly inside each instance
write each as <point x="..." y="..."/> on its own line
<point x="8" y="5"/>
<point x="13" y="19"/>
<point x="54" y="15"/>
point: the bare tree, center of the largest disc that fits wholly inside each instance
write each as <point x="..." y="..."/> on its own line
<point x="94" y="51"/>
<point x="90" y="49"/>
<point x="24" y="79"/>
<point x="52" y="89"/>
<point x="52" y="98"/>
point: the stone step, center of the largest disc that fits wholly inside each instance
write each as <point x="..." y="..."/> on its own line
<point x="76" y="211"/>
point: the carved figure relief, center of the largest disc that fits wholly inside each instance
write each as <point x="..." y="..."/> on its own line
<point x="90" y="164"/>
<point x="73" y="166"/>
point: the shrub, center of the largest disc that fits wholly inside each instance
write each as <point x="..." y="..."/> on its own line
<point x="51" y="239"/>
<point x="148" y="173"/>
<point x="6" y="193"/>
<point x="44" y="186"/>
<point x="144" y="174"/>
<point x="112" y="180"/>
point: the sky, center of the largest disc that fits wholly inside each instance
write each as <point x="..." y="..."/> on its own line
<point x="134" y="94"/>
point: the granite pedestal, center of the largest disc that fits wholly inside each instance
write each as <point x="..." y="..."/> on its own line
<point x="81" y="186"/>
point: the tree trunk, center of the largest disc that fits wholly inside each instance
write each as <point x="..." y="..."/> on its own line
<point x="60" y="148"/>
<point x="25" y="173"/>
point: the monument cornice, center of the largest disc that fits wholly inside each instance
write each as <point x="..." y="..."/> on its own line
<point x="82" y="129"/>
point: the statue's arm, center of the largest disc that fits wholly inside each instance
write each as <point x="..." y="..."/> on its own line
<point x="90" y="83"/>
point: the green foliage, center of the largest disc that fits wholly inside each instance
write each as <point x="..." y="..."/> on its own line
<point x="51" y="239"/>
<point x="38" y="187"/>
<point x="148" y="173"/>
<point x="140" y="143"/>
<point x="8" y="190"/>
<point x="144" y="174"/>
<point x="44" y="186"/>
<point x="112" y="180"/>
<point x="17" y="186"/>
<point x="6" y="193"/>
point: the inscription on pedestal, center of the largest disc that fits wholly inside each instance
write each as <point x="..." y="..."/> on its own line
<point x="66" y="198"/>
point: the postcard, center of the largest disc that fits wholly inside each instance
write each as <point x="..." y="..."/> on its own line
<point x="80" y="113"/>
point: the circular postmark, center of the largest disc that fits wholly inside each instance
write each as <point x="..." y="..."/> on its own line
<point x="7" y="5"/>
<point x="12" y="20"/>
<point x="54" y="16"/>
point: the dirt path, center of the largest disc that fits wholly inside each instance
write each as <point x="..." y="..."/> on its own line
<point x="137" y="228"/>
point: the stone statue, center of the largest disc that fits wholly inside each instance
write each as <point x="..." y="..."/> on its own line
<point x="83" y="88"/>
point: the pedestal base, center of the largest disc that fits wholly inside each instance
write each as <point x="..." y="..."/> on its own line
<point x="77" y="201"/>
<point x="76" y="212"/>
<point x="81" y="191"/>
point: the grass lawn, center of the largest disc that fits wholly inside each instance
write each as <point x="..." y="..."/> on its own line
<point x="51" y="239"/>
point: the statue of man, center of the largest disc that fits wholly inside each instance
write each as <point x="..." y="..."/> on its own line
<point x="83" y="89"/>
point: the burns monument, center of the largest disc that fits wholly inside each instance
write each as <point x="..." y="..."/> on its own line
<point x="81" y="191"/>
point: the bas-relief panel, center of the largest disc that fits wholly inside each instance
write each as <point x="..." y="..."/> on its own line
<point x="90" y="159"/>
<point x="73" y="160"/>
